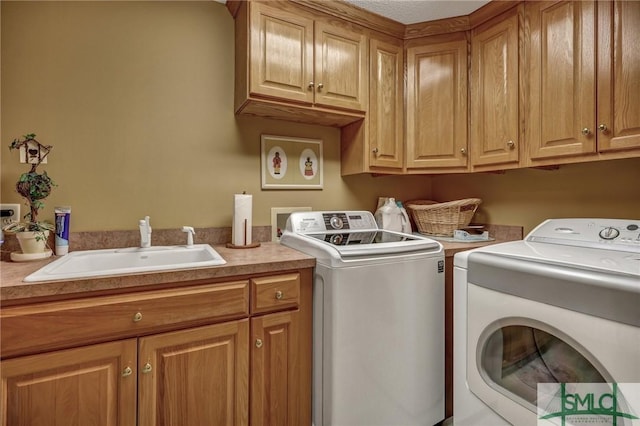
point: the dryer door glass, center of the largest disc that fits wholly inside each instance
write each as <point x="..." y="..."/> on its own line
<point x="517" y="358"/>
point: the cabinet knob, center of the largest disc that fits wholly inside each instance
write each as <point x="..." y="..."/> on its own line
<point x="320" y="86"/>
<point x="511" y="144"/>
<point x="258" y="343"/>
<point x="463" y="151"/>
<point x="137" y="317"/>
<point x="375" y="151"/>
<point x="586" y="131"/>
<point x="603" y="128"/>
<point x="147" y="368"/>
<point x="279" y="294"/>
<point x="127" y="372"/>
<point x="310" y="86"/>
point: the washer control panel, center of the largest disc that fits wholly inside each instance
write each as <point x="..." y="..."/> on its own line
<point x="315" y="222"/>
<point x="617" y="234"/>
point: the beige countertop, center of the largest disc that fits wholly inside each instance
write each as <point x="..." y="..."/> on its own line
<point x="269" y="257"/>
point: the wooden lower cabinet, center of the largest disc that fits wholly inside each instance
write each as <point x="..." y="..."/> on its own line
<point x="275" y="370"/>
<point x="93" y="385"/>
<point x="254" y="369"/>
<point x="198" y="376"/>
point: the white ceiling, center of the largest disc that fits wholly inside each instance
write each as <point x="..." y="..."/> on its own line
<point x="414" y="11"/>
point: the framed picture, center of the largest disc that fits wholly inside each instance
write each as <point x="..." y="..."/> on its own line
<point x="279" y="216"/>
<point x="291" y="163"/>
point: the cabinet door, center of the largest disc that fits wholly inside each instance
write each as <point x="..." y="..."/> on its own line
<point x="281" y="62"/>
<point x="275" y="370"/>
<point x="437" y="105"/>
<point x="494" y="92"/>
<point x="196" y="376"/>
<point x="561" y="79"/>
<point x="341" y="72"/>
<point x="618" y="76"/>
<point x="386" y="114"/>
<point x="93" y="385"/>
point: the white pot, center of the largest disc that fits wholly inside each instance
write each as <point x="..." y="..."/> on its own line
<point x="32" y="241"/>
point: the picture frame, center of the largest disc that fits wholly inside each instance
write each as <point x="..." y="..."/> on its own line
<point x="291" y="163"/>
<point x="279" y="216"/>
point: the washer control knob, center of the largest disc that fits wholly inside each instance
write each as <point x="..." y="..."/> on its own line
<point x="609" y="233"/>
<point x="336" y="222"/>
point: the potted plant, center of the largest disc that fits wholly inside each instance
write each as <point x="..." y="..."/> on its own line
<point x="35" y="188"/>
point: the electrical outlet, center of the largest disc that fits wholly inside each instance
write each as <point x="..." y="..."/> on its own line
<point x="9" y="213"/>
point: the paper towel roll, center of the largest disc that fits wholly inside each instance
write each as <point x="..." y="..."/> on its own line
<point x="241" y="229"/>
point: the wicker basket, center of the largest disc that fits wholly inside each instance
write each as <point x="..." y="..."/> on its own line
<point x="441" y="219"/>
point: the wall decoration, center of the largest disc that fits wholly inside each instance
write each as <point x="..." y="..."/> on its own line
<point x="279" y="216"/>
<point x="291" y="163"/>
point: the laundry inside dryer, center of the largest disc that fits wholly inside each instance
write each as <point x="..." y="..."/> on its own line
<point x="517" y="358"/>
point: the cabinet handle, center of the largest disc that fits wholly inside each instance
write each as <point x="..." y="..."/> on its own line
<point x="137" y="317"/>
<point x="603" y="128"/>
<point x="258" y="343"/>
<point x="511" y="144"/>
<point x="279" y="294"/>
<point x="463" y="151"/>
<point x="147" y="368"/>
<point x="320" y="86"/>
<point x="127" y="372"/>
<point x="310" y="86"/>
<point x="586" y="131"/>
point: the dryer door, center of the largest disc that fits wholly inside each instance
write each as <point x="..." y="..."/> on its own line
<point x="515" y="343"/>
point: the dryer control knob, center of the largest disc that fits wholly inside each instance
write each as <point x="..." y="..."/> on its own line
<point x="609" y="233"/>
<point x="336" y="222"/>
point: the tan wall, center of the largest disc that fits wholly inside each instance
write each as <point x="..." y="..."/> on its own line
<point x="137" y="100"/>
<point x="607" y="189"/>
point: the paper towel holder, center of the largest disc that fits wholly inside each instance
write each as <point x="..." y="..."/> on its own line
<point x="244" y="246"/>
<point x="247" y="246"/>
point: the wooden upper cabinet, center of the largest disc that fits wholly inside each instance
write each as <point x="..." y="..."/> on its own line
<point x="561" y="91"/>
<point x="281" y="62"/>
<point x="618" y="113"/>
<point x="437" y="104"/>
<point x="341" y="68"/>
<point x="584" y="80"/>
<point x="297" y="65"/>
<point x="386" y="106"/>
<point x="92" y="385"/>
<point x="494" y="135"/>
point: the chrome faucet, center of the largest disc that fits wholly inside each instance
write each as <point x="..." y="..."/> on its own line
<point x="145" y="232"/>
<point x="190" y="233"/>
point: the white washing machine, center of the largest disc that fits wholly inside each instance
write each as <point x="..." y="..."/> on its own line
<point x="561" y="306"/>
<point x="378" y="321"/>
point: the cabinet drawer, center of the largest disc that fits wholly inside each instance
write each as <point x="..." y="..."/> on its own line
<point x="275" y="293"/>
<point x="45" y="326"/>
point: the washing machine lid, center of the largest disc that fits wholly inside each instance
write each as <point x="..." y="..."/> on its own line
<point x="349" y="234"/>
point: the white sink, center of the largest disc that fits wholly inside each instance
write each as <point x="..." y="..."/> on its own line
<point x="96" y="263"/>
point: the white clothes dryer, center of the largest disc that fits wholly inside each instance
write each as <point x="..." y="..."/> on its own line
<point x="561" y="306"/>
